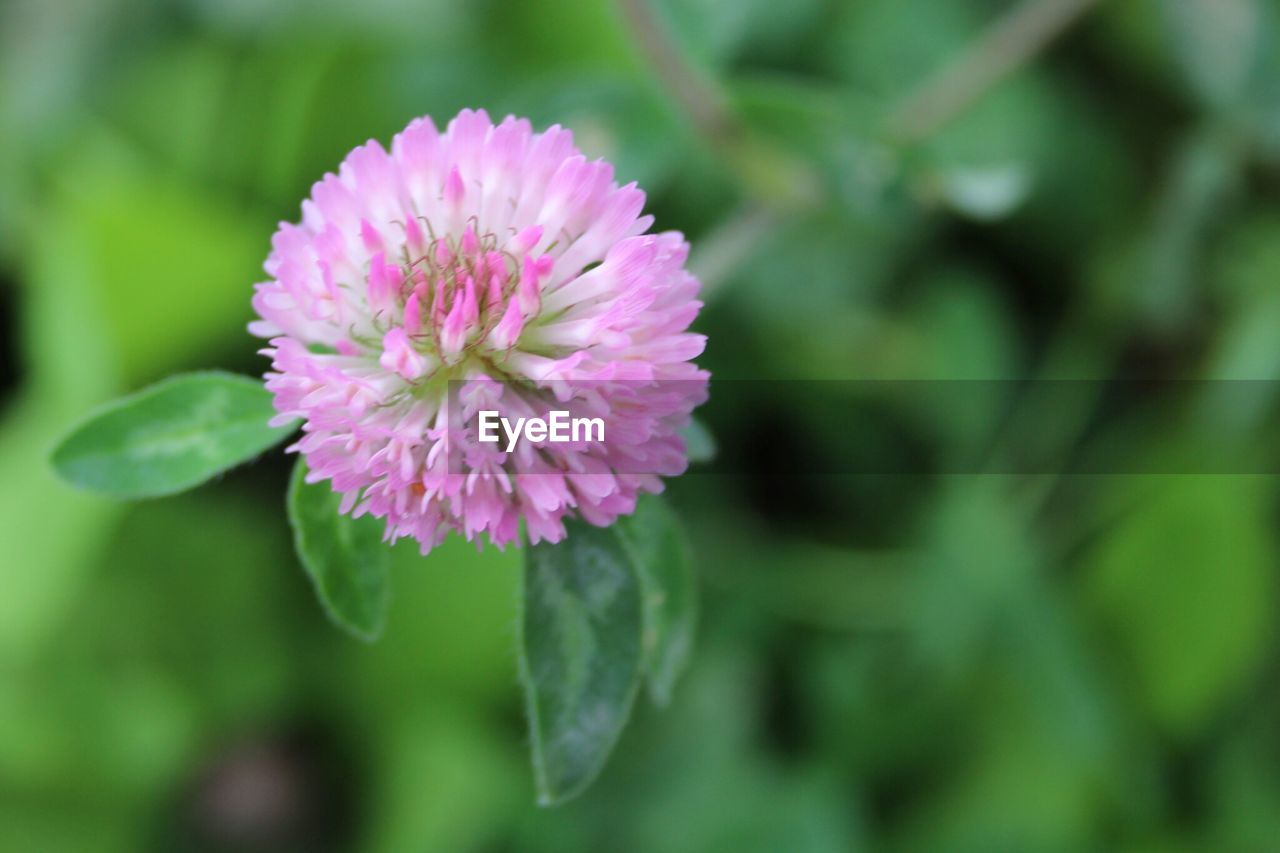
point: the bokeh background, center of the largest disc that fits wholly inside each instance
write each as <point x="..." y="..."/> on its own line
<point x="875" y="189"/>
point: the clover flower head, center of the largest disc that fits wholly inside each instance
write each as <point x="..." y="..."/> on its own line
<point x="485" y="267"/>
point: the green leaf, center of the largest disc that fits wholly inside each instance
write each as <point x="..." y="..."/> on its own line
<point x="1187" y="584"/>
<point x="986" y="193"/>
<point x="699" y="443"/>
<point x="611" y="118"/>
<point x="345" y="557"/>
<point x="581" y="654"/>
<point x="70" y="369"/>
<point x="170" y="437"/>
<point x="1203" y="180"/>
<point x="656" y="543"/>
<point x="712" y="33"/>
<point x="1218" y="44"/>
<point x="144" y="223"/>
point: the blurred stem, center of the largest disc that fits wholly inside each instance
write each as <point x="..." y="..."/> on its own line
<point x="1160" y="304"/>
<point x="699" y="98"/>
<point x="722" y="250"/>
<point x="774" y="179"/>
<point x="769" y="172"/>
<point x="1008" y="43"/>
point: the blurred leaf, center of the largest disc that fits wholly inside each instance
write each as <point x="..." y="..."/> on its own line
<point x="58" y="545"/>
<point x="1266" y="114"/>
<point x="313" y="138"/>
<point x="170" y="437"/>
<point x="1217" y="42"/>
<point x="963" y="345"/>
<point x="796" y="812"/>
<point x="612" y="116"/>
<point x="1000" y="146"/>
<point x="1202" y="178"/>
<point x="68" y="368"/>
<point x="581" y="654"/>
<point x="714" y="32"/>
<point x="885" y="50"/>
<point x="174" y="261"/>
<point x="111" y="712"/>
<point x="274" y="142"/>
<point x="1229" y="51"/>
<point x="455" y="611"/>
<point x="833" y="589"/>
<point x="398" y="24"/>
<point x="345" y="557"/>
<point x="963" y="328"/>
<point x="446" y="778"/>
<point x="829" y="322"/>
<point x="557" y="35"/>
<point x="818" y="134"/>
<point x="1244" y="781"/>
<point x="1046" y="757"/>
<point x="1025" y="787"/>
<point x="1029" y="140"/>
<point x="699" y="442"/>
<point x="1246" y="355"/>
<point x="1186" y="583"/>
<point x="986" y="193"/>
<point x="886" y="47"/>
<point x="233" y="546"/>
<point x="45" y="827"/>
<point x="708" y="31"/>
<point x="1125" y="35"/>
<point x="49" y="57"/>
<point x="710" y="779"/>
<point x="978" y="566"/>
<point x="236" y="118"/>
<point x="192" y="78"/>
<point x="658" y="546"/>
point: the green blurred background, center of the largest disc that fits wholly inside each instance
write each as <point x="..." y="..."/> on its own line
<point x="874" y="189"/>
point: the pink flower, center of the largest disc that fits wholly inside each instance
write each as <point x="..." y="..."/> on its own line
<point x="487" y="267"/>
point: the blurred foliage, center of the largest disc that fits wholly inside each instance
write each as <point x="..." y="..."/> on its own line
<point x="920" y="661"/>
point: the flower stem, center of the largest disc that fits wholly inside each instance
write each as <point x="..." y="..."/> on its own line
<point x="698" y="97"/>
<point x="1008" y="43"/>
